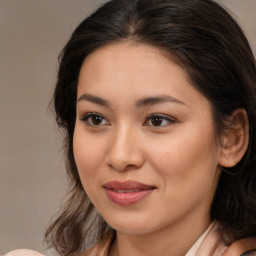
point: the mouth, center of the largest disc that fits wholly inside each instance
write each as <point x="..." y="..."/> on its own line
<point x="125" y="191"/>
<point x="128" y="192"/>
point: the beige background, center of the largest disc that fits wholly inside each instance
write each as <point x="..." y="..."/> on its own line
<point x="32" y="181"/>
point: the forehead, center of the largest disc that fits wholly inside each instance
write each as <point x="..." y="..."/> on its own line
<point x="133" y="71"/>
<point x="128" y="64"/>
<point x="117" y="56"/>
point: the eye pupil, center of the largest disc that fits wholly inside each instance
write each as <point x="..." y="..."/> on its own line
<point x="157" y="121"/>
<point x="96" y="120"/>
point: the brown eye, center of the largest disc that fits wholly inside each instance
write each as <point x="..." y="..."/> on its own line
<point x="158" y="120"/>
<point x="94" y="119"/>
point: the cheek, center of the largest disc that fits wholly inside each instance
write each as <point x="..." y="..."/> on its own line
<point x="88" y="158"/>
<point x="189" y="175"/>
<point x="87" y="155"/>
<point x="185" y="161"/>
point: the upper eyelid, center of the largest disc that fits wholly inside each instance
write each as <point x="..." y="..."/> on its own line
<point x="160" y="115"/>
<point x="88" y="114"/>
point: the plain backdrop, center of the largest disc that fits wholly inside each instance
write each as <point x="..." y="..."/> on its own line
<point x="32" y="172"/>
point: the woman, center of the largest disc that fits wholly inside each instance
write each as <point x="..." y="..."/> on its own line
<point x="157" y="99"/>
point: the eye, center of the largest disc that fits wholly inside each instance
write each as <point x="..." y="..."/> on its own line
<point x="94" y="119"/>
<point x="158" y="120"/>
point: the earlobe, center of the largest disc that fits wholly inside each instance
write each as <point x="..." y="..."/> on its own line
<point x="235" y="139"/>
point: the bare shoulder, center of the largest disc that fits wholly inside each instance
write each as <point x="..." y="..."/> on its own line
<point x="243" y="247"/>
<point x="23" y="252"/>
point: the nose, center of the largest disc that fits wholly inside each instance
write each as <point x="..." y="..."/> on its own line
<point x="124" y="150"/>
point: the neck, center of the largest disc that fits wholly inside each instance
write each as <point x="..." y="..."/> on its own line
<point x="170" y="240"/>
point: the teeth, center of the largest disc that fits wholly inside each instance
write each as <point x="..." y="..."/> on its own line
<point x="126" y="191"/>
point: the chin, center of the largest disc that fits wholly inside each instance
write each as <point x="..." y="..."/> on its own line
<point x="132" y="226"/>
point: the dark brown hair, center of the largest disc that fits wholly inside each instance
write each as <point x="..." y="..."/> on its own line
<point x="203" y="39"/>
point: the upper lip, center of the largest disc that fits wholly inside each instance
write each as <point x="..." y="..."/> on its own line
<point x="127" y="185"/>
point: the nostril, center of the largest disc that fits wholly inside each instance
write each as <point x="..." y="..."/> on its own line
<point x="124" y="158"/>
<point x="122" y="166"/>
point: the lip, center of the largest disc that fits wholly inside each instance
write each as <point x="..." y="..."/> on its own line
<point x="128" y="192"/>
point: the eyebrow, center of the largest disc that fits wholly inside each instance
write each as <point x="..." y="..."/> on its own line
<point x="94" y="99"/>
<point x="147" y="101"/>
<point x="156" y="100"/>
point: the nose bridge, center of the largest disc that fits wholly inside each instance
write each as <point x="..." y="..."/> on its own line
<point x="124" y="149"/>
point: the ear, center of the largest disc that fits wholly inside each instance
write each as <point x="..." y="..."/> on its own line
<point x="234" y="141"/>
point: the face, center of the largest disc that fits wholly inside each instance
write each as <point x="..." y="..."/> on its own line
<point x="144" y="140"/>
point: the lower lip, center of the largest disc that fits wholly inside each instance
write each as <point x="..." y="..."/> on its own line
<point x="127" y="198"/>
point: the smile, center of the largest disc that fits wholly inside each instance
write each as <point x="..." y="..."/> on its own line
<point x="127" y="193"/>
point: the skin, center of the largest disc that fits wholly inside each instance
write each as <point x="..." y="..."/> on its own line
<point x="242" y="246"/>
<point x="179" y="157"/>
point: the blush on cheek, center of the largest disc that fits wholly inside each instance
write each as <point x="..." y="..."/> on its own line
<point x="183" y="160"/>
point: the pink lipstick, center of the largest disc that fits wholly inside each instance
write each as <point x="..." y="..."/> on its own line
<point x="128" y="192"/>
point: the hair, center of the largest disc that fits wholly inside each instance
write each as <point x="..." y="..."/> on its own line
<point x="203" y="39"/>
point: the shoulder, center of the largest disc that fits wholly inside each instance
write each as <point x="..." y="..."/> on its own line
<point x="245" y="247"/>
<point x="23" y="252"/>
<point x="213" y="244"/>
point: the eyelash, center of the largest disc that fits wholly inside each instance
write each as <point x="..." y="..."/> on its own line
<point x="160" y="117"/>
<point x="87" y="118"/>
